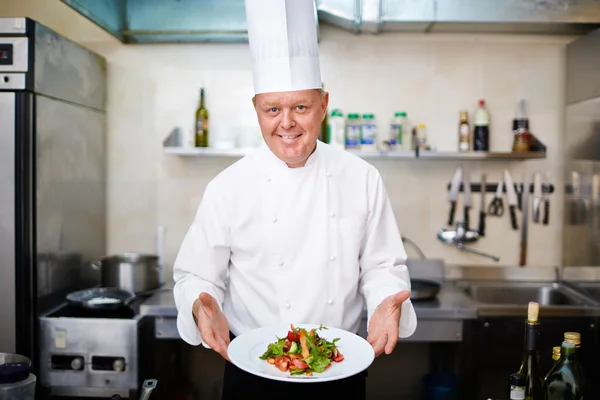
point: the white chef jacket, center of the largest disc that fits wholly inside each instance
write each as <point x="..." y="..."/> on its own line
<point x="276" y="245"/>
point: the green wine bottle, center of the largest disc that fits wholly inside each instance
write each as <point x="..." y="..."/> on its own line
<point x="530" y="364"/>
<point x="565" y="381"/>
<point x="201" y="128"/>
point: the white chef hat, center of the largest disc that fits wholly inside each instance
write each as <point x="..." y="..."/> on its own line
<point x="283" y="43"/>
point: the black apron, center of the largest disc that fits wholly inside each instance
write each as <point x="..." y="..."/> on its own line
<point x="239" y="384"/>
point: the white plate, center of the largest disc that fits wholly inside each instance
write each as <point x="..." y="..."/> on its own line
<point x="244" y="352"/>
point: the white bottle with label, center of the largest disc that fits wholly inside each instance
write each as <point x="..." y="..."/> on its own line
<point x="337" y="130"/>
<point x="368" y="134"/>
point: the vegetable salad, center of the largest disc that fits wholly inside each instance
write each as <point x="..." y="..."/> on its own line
<point x="302" y="352"/>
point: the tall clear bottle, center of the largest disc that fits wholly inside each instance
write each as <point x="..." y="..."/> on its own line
<point x="565" y="381"/>
<point x="530" y="364"/>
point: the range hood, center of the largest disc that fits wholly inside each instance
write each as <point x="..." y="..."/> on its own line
<point x="177" y="21"/>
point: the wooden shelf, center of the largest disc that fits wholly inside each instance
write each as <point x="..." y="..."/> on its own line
<point x="370" y="154"/>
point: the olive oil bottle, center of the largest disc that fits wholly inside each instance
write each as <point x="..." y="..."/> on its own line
<point x="565" y="381"/>
<point x="201" y="124"/>
<point x="530" y="364"/>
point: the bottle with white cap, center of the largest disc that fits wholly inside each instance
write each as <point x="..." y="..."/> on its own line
<point x="337" y="126"/>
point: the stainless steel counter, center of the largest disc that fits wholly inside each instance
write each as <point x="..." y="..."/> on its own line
<point x="439" y="320"/>
<point x="472" y="293"/>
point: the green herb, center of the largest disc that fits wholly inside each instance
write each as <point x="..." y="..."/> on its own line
<point x="274" y="349"/>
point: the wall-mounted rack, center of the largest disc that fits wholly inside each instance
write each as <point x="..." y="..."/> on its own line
<point x="492" y="187"/>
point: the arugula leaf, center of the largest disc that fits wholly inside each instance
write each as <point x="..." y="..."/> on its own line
<point x="274" y="350"/>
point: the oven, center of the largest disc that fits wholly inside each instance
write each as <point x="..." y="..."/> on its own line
<point x="95" y="354"/>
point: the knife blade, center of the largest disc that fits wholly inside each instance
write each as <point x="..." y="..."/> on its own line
<point x="481" y="229"/>
<point x="546" y="198"/>
<point x="512" y="198"/>
<point x="537" y="197"/>
<point x="453" y="195"/>
<point x="467" y="203"/>
<point x="525" y="215"/>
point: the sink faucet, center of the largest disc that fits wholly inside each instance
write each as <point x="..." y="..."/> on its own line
<point x="460" y="236"/>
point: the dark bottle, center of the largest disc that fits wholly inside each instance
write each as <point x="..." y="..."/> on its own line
<point x="481" y="128"/>
<point x="530" y="364"/>
<point x="565" y="380"/>
<point x="201" y="124"/>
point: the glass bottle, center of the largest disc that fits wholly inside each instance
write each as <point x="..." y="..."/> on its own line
<point x="201" y="125"/>
<point x="565" y="380"/>
<point x="530" y="364"/>
<point x="517" y="387"/>
<point x="464" y="132"/>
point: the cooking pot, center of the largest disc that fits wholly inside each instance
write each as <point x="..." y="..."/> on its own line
<point x="16" y="382"/>
<point x="133" y="272"/>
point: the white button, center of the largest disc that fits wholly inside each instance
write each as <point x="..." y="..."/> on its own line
<point x="287" y="305"/>
<point x="332" y="215"/>
<point x="274" y="219"/>
<point x="330" y="301"/>
<point x="281" y="264"/>
<point x="332" y="258"/>
<point x="268" y="179"/>
<point x="329" y="175"/>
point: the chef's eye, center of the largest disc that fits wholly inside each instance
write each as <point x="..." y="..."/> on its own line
<point x="273" y="109"/>
<point x="301" y="107"/>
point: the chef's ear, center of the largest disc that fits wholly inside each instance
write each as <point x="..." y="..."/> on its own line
<point x="324" y="100"/>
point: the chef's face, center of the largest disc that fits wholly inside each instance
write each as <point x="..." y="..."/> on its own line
<point x="290" y="122"/>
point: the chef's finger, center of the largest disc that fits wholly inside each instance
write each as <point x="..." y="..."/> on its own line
<point x="208" y="336"/>
<point x="379" y="344"/>
<point x="392" y="341"/>
<point x="207" y="302"/>
<point x="400" y="298"/>
<point x="222" y="349"/>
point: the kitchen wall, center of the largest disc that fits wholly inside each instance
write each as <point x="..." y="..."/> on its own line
<point x="154" y="88"/>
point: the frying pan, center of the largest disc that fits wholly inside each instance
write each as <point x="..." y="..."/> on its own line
<point x="423" y="289"/>
<point x="101" y="298"/>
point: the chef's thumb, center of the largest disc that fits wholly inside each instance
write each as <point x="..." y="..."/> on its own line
<point x="207" y="300"/>
<point x="400" y="298"/>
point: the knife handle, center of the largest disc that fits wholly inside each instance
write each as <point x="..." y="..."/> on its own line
<point x="482" y="223"/>
<point x="467" y="218"/>
<point x="523" y="255"/>
<point x="451" y="217"/>
<point x="546" y="212"/>
<point x="513" y="218"/>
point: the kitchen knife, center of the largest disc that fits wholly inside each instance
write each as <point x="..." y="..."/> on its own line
<point x="512" y="198"/>
<point x="537" y="197"/>
<point x="546" y="199"/>
<point x="467" y="201"/>
<point x="524" y="215"/>
<point x="453" y="195"/>
<point x="482" y="208"/>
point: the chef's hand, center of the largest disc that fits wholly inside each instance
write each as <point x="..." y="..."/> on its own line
<point x="212" y="323"/>
<point x="383" y="327"/>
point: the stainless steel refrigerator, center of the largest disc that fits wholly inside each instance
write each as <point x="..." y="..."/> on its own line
<point x="581" y="144"/>
<point x="52" y="175"/>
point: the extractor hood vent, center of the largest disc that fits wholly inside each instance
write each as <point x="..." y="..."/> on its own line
<point x="506" y="16"/>
<point x="180" y="21"/>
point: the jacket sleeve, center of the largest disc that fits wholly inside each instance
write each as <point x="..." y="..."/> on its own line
<point x="383" y="258"/>
<point x="202" y="262"/>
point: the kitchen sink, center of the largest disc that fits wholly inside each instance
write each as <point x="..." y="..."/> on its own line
<point x="519" y="293"/>
<point x="590" y="289"/>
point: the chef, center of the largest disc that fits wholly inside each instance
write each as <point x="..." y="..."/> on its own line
<point x="296" y="232"/>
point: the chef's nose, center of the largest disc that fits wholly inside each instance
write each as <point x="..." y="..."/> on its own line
<point x="287" y="120"/>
